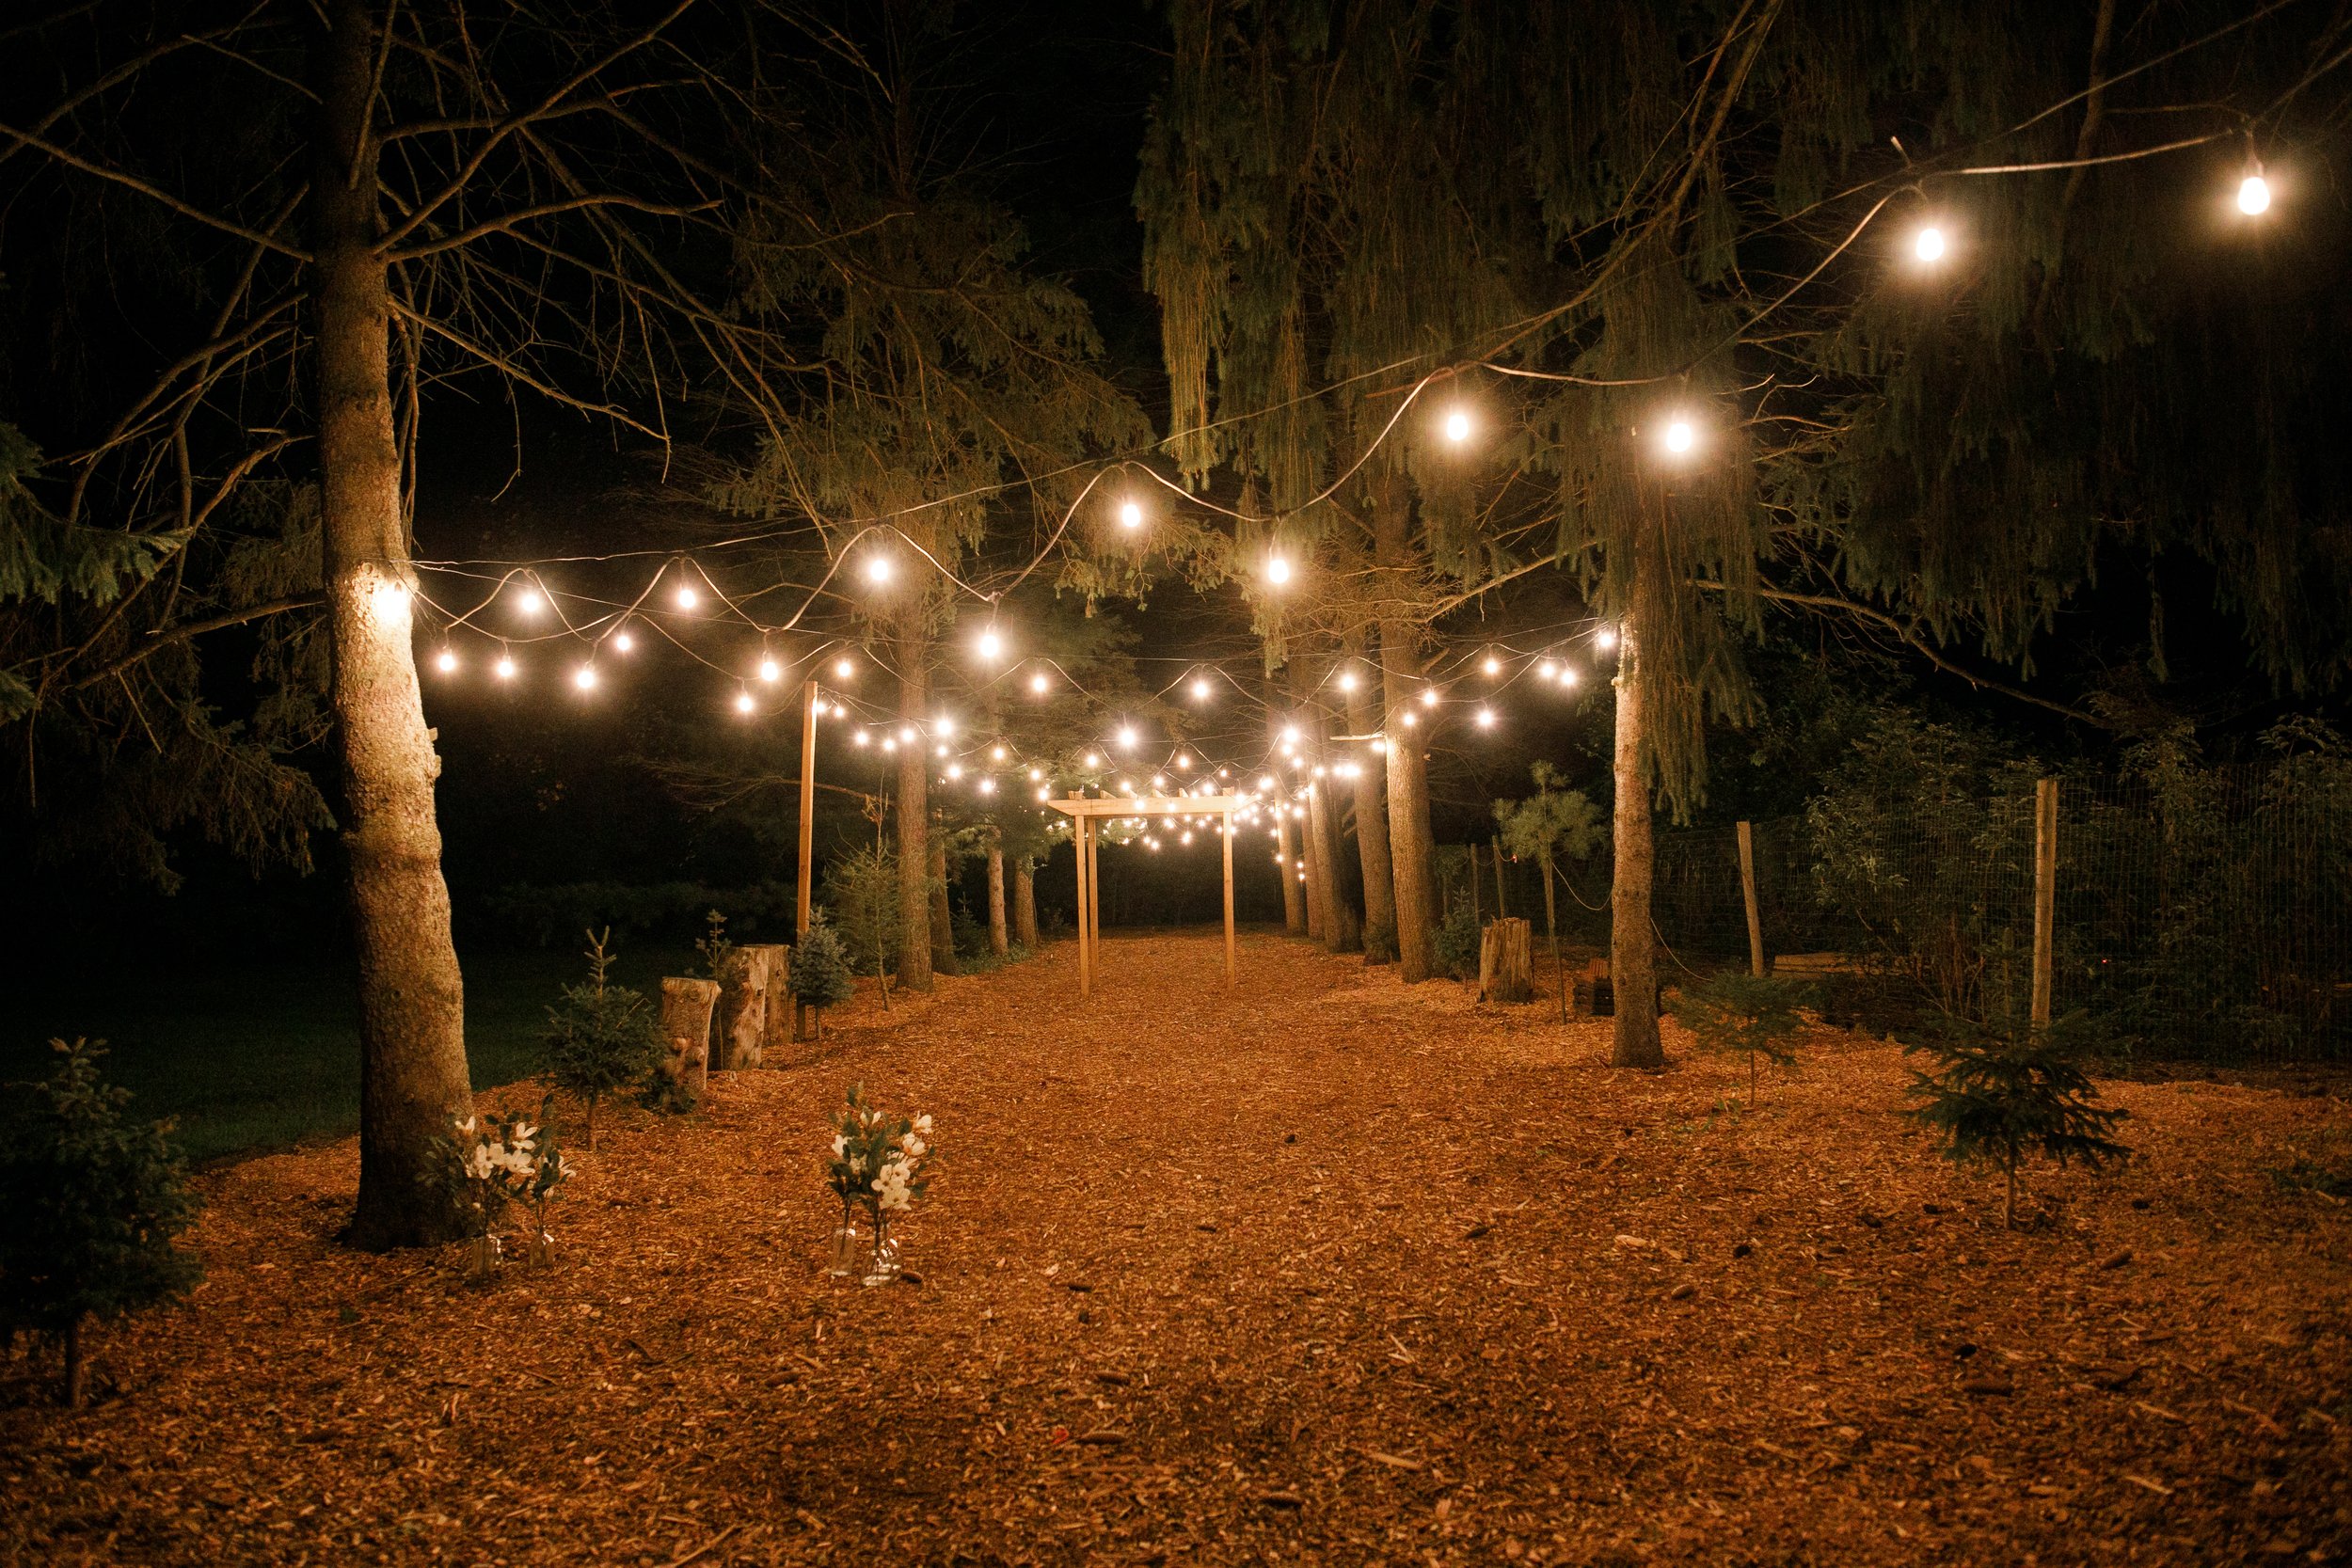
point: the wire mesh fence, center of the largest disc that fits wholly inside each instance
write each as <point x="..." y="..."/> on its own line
<point x="2201" y="912"/>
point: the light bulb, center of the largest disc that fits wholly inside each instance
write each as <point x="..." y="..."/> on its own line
<point x="1200" y="688"/>
<point x="1183" y="761"/>
<point x="586" y="678"/>
<point x="1036" y="776"/>
<point x="1277" y="570"/>
<point x="843" y="668"/>
<point x="770" y="669"/>
<point x="447" y="663"/>
<point x="906" y="734"/>
<point x="623" y="641"/>
<point x="1547" y="670"/>
<point x="1567" y="677"/>
<point x="1927" y="245"/>
<point x="1605" y="638"/>
<point x="1266" y="783"/>
<point x="943" y="724"/>
<point x="860" y="739"/>
<point x="1378" y="745"/>
<point x="939" y="750"/>
<point x="743" y="702"/>
<point x="1348" y="680"/>
<point x="1043" y="796"/>
<point x="1406" y="719"/>
<point x="988" y="787"/>
<point x="529" y="601"/>
<point x="890" y="743"/>
<point x="1126" y="737"/>
<point x="1429" y="696"/>
<point x="688" y="598"/>
<point x="995" y="753"/>
<point x="505" y="668"/>
<point x="955" y="770"/>
<point x="2253" y="194"/>
<point x="1130" y="515"/>
<point x="878" y="568"/>
<point x="1094" y="759"/>
<point x="990" y="645"/>
<point x="1457" y="427"/>
<point x="1486" y="719"/>
<point x="1680" y="438"/>
<point x="1183" y="838"/>
<point x="1492" y="666"/>
<point x="1038" y="684"/>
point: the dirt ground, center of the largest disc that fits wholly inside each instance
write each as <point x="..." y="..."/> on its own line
<point x="1319" y="1269"/>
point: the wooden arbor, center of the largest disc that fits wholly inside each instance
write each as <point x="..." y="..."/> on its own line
<point x="1084" y="813"/>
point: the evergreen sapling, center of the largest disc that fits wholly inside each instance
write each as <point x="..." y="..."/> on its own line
<point x="600" y="1039"/>
<point x="819" y="974"/>
<point x="2005" y="1091"/>
<point x="1748" y="1015"/>
<point x="91" y="1202"/>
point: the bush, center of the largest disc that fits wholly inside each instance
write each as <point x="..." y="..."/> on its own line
<point x="1734" y="1012"/>
<point x="970" y="934"/>
<point x="1455" y="949"/>
<point x="862" y="890"/>
<point x="2005" y="1090"/>
<point x="819" y="974"/>
<point x="90" y="1204"/>
<point x="600" y="1039"/>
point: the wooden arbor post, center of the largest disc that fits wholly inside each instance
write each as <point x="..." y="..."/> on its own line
<point x="1085" y="816"/>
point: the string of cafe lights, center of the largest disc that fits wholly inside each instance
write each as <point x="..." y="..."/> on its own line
<point x="682" y="592"/>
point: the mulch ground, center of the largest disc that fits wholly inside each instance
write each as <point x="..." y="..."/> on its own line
<point x="1320" y="1269"/>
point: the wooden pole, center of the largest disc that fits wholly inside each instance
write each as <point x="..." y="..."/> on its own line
<point x="1231" y="973"/>
<point x="1747" y="892"/>
<point x="1094" y="892"/>
<point x="804" y="909"/>
<point x="1086" y="954"/>
<point x="2044" y="893"/>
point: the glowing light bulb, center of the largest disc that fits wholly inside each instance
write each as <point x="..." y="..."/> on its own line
<point x="1348" y="680"/>
<point x="906" y="734"/>
<point x="1486" y="719"/>
<point x="877" y="569"/>
<point x="1457" y="427"/>
<point x="1126" y="737"/>
<point x="1183" y="761"/>
<point x="1277" y="570"/>
<point x="1429" y="696"/>
<point x="1547" y="670"/>
<point x="995" y="753"/>
<point x="1130" y="515"/>
<point x="843" y="668"/>
<point x="939" y="750"/>
<point x="890" y="743"/>
<point x="1927" y="245"/>
<point x="1266" y="783"/>
<point x="2253" y="194"/>
<point x="954" y="770"/>
<point x="529" y="601"/>
<point x="688" y="598"/>
<point x="586" y="678"/>
<point x="1406" y="719"/>
<point x="623" y="641"/>
<point x="447" y="663"/>
<point x="770" y="670"/>
<point x="743" y="702"/>
<point x="505" y="668"/>
<point x="988" y="787"/>
<point x="1491" y="666"/>
<point x="1043" y="796"/>
<point x="1378" y="745"/>
<point x="1094" y="759"/>
<point x="1605" y="638"/>
<point x="1200" y="688"/>
<point x="1567" y="677"/>
<point x="1680" y="438"/>
<point x="943" y="724"/>
<point x="990" y="645"/>
<point x="860" y="739"/>
<point x="1036" y="776"/>
<point x="1038" y="684"/>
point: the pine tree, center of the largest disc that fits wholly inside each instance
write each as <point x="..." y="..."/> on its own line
<point x="600" y="1039"/>
<point x="819" y="974"/>
<point x="1554" y="823"/>
<point x="2005" y="1090"/>
<point x="1735" y="1013"/>
<point x="91" y="1203"/>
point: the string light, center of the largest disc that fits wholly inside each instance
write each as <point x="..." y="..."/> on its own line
<point x="955" y="770"/>
<point x="1277" y="570"/>
<point x="1200" y="688"/>
<point x="1568" y="676"/>
<point x="1927" y="244"/>
<point x="860" y="739"/>
<point x="528" y="602"/>
<point x="1547" y="670"/>
<point x="1486" y="719"/>
<point x="687" y="597"/>
<point x="743" y="702"/>
<point x="1348" y="680"/>
<point x="988" y="787"/>
<point x="1491" y="665"/>
<point x="623" y="641"/>
<point x="941" y="751"/>
<point x="505" y="668"/>
<point x="906" y="734"/>
<point x="2253" y="193"/>
<point x="1429" y="696"/>
<point x="943" y="725"/>
<point x="770" y="670"/>
<point x="878" y="568"/>
<point x="990" y="645"/>
<point x="1406" y="719"/>
<point x="1094" y="759"/>
<point x="995" y="753"/>
<point x="1130" y="515"/>
<point x="1680" y="438"/>
<point x="1605" y="638"/>
<point x="1182" y="760"/>
<point x="1036" y="776"/>
<point x="890" y="743"/>
<point x="586" y="678"/>
<point x="447" y="663"/>
<point x="1126" y="737"/>
<point x="842" y="670"/>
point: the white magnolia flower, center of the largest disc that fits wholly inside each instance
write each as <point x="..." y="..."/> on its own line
<point x="923" y="1125"/>
<point x="466" y="1125"/>
<point x="914" y="1145"/>
<point x="478" y="1164"/>
<point x="840" y="1146"/>
<point x="524" y="1133"/>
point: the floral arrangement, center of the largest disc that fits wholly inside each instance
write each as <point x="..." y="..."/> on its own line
<point x="882" y="1163"/>
<point x="497" y="1161"/>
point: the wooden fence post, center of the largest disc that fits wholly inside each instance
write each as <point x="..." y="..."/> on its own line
<point x="2044" y="893"/>
<point x="1747" y="891"/>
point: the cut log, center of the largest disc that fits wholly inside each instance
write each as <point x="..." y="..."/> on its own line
<point x="741" y="1041"/>
<point x="775" y="1032"/>
<point x="686" y="1009"/>
<point x="1507" y="960"/>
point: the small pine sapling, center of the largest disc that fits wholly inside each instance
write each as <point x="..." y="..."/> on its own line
<point x="91" y="1203"/>
<point x="600" y="1039"/>
<point x="2003" y="1091"/>
<point x="716" y="951"/>
<point x="1748" y="1015"/>
<point x="819" y="976"/>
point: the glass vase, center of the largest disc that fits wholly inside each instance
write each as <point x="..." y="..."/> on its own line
<point x="540" y="1249"/>
<point x="884" y="1268"/>
<point x="848" y="1241"/>
<point x="481" y="1260"/>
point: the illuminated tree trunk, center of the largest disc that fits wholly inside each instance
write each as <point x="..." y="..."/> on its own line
<point x="1632" y="945"/>
<point x="1025" y="902"/>
<point x="1341" y="933"/>
<point x="413" y="1081"/>
<point x="914" y="653"/>
<point x="942" y="924"/>
<point x="1409" y="772"/>
<point x="1293" y="890"/>
<point x="1372" y="828"/>
<point x="999" y="941"/>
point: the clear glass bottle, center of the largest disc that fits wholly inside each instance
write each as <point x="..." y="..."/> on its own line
<point x="884" y="1268"/>
<point x="848" y="1241"/>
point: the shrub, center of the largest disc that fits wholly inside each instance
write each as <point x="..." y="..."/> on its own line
<point x="600" y="1039"/>
<point x="1455" y="949"/>
<point x="91" y="1203"/>
<point x="1736" y="1013"/>
<point x="2004" y="1090"/>
<point x="862" y="890"/>
<point x="819" y="973"/>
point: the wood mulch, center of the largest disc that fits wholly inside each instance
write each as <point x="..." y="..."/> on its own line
<point x="1321" y="1269"/>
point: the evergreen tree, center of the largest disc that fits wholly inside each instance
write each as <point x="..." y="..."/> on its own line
<point x="1735" y="1013"/>
<point x="821" y="971"/>
<point x="600" y="1039"/>
<point x="2004" y="1090"/>
<point x="1554" y="822"/>
<point x="91" y="1203"/>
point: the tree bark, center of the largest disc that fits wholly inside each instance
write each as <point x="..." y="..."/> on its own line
<point x="1341" y="933"/>
<point x="943" y="921"/>
<point x="1632" y="945"/>
<point x="1025" y="902"/>
<point x="999" y="941"/>
<point x="413" y="1082"/>
<point x="1505" y="961"/>
<point x="76" y="1364"/>
<point x="1371" y="828"/>
<point x="1293" y="890"/>
<point x="914" y="811"/>
<point x="1408" y="771"/>
<point x="687" y="1005"/>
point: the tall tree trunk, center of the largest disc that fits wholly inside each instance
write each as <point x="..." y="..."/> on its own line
<point x="1632" y="945"/>
<point x="76" y="1363"/>
<point x="915" y="778"/>
<point x="1025" y="902"/>
<point x="1372" y="825"/>
<point x="943" y="920"/>
<point x="999" y="941"/>
<point x="413" y="1082"/>
<point x="1330" y="917"/>
<point x="1409" y="770"/>
<point x="1293" y="890"/>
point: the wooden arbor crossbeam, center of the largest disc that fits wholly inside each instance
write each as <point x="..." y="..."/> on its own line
<point x="1087" y="813"/>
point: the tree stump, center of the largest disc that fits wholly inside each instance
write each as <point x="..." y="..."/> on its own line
<point x="776" y="1020"/>
<point x="1506" y="965"/>
<point x="741" y="1041"/>
<point x="1594" y="997"/>
<point x="686" y="1009"/>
